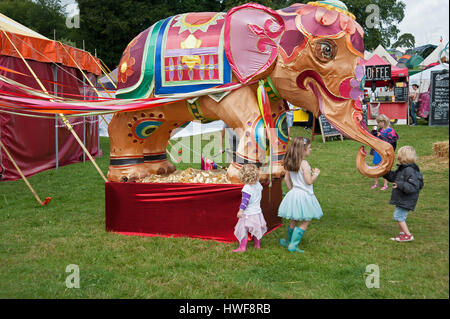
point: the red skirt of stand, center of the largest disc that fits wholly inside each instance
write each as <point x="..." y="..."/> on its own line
<point x="205" y="211"/>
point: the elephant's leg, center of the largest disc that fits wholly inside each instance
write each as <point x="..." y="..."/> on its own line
<point x="139" y="140"/>
<point x="241" y="112"/>
<point x="155" y="152"/>
<point x="126" y="150"/>
<point x="155" y="146"/>
<point x="281" y="140"/>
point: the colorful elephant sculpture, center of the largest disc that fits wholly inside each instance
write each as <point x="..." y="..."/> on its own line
<point x="209" y="65"/>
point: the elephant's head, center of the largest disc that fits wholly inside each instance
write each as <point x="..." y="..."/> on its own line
<point x="320" y="68"/>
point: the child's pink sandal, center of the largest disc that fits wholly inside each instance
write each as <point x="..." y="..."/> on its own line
<point x="384" y="188"/>
<point x="374" y="186"/>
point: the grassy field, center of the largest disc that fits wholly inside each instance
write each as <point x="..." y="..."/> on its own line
<point x="38" y="243"/>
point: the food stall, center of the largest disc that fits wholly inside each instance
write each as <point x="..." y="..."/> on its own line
<point x="386" y="91"/>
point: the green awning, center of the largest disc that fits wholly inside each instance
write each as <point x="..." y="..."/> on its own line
<point x="413" y="71"/>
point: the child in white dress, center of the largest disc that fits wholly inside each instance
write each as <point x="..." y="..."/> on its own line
<point x="300" y="203"/>
<point x="251" y="219"/>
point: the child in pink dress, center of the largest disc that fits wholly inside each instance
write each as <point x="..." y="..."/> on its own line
<point x="251" y="219"/>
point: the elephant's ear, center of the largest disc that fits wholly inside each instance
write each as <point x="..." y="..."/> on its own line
<point x="252" y="36"/>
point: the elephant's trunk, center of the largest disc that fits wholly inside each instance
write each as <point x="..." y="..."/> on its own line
<point x="352" y="125"/>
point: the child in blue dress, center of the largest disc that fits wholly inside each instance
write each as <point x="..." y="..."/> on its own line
<point x="300" y="204"/>
<point x="387" y="134"/>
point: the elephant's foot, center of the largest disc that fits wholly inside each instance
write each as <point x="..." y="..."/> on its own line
<point x="233" y="173"/>
<point x="129" y="173"/>
<point x="264" y="175"/>
<point x="159" y="167"/>
<point x="136" y="173"/>
<point x="277" y="172"/>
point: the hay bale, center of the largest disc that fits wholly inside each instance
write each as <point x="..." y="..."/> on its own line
<point x="440" y="149"/>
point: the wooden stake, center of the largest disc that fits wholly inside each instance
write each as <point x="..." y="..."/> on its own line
<point x="47" y="199"/>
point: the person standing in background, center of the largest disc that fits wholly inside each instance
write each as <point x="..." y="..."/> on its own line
<point x="289" y="116"/>
<point x="414" y="100"/>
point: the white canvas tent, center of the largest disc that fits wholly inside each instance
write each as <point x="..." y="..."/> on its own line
<point x="195" y="128"/>
<point x="367" y="55"/>
<point x="12" y="26"/>
<point x="434" y="56"/>
<point x="106" y="79"/>
<point x="423" y="78"/>
<point x="382" y="53"/>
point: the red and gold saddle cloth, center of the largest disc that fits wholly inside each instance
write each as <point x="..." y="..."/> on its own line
<point x="190" y="53"/>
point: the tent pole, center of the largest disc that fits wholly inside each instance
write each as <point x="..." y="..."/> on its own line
<point x="84" y="117"/>
<point x="98" y="129"/>
<point x="55" y="88"/>
<point x="84" y="123"/>
<point x="98" y="116"/>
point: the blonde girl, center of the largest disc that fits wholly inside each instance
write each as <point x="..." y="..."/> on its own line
<point x="300" y="205"/>
<point x="251" y="219"/>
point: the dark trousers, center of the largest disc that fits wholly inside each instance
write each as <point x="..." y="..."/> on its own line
<point x="413" y="112"/>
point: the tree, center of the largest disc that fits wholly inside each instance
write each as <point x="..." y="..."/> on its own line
<point x="379" y="19"/>
<point x="109" y="25"/>
<point x="42" y="16"/>
<point x="406" y="40"/>
<point x="388" y="13"/>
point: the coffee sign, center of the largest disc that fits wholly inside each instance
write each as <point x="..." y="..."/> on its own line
<point x="378" y="72"/>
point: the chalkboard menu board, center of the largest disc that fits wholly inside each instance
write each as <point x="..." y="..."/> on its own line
<point x="401" y="94"/>
<point x="439" y="98"/>
<point x="327" y="129"/>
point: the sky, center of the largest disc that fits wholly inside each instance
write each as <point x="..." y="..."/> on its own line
<point x="427" y="20"/>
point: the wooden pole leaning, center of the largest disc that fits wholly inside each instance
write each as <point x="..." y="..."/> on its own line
<point x="47" y="199"/>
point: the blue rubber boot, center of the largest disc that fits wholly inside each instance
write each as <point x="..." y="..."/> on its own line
<point x="285" y="242"/>
<point x="296" y="238"/>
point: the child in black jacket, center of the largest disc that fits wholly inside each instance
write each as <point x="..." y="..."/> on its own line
<point x="407" y="182"/>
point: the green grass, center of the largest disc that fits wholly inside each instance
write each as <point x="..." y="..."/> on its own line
<point x="37" y="243"/>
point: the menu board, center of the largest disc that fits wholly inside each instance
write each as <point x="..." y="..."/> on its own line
<point x="401" y="94"/>
<point x="327" y="129"/>
<point x="439" y="98"/>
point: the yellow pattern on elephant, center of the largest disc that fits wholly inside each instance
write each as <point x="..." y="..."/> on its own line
<point x="191" y="42"/>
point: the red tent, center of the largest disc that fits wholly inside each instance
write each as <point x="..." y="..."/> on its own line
<point x="396" y="111"/>
<point x="38" y="144"/>
<point x="396" y="73"/>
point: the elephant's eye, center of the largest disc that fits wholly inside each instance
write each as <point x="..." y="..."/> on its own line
<point x="325" y="50"/>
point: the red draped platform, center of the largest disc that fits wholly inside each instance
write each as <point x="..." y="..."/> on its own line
<point x="205" y="211"/>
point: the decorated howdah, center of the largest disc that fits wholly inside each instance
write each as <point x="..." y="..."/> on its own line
<point x="241" y="67"/>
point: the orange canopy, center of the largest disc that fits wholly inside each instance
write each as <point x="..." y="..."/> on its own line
<point x="45" y="50"/>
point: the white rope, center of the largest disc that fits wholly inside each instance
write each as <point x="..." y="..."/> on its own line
<point x="76" y="123"/>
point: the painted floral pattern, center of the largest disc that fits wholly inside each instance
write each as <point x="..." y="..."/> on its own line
<point x="125" y="67"/>
<point x="127" y="62"/>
